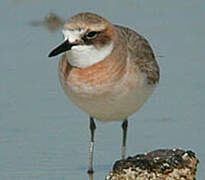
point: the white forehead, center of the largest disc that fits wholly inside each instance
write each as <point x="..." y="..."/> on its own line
<point x="73" y="35"/>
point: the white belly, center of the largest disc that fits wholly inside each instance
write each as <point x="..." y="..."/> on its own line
<point x="111" y="103"/>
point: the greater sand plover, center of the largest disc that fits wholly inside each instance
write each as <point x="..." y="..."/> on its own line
<point x="107" y="70"/>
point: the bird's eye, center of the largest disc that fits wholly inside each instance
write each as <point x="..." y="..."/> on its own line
<point x="91" y="35"/>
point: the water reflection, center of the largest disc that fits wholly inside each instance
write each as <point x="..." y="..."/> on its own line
<point x="90" y="176"/>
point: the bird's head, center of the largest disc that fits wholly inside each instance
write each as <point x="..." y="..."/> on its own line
<point x="88" y="39"/>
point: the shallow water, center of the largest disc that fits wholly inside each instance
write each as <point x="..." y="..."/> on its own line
<point x="43" y="136"/>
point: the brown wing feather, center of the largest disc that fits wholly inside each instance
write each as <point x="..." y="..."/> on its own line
<point x="141" y="52"/>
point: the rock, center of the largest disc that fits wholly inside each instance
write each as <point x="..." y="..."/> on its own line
<point x="174" y="164"/>
<point x="52" y="22"/>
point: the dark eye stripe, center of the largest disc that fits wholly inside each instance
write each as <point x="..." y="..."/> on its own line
<point x="91" y="34"/>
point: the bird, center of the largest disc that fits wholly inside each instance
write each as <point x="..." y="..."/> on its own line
<point x="107" y="70"/>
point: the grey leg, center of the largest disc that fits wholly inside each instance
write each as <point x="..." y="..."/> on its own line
<point x="92" y="131"/>
<point x="124" y="130"/>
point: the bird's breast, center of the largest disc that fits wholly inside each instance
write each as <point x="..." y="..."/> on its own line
<point x="107" y="90"/>
<point x="97" y="79"/>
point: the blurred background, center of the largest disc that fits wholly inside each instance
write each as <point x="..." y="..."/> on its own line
<point x="43" y="136"/>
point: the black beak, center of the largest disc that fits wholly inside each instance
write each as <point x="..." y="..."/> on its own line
<point x="65" y="46"/>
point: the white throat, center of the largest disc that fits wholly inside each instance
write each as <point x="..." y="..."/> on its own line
<point x="83" y="56"/>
